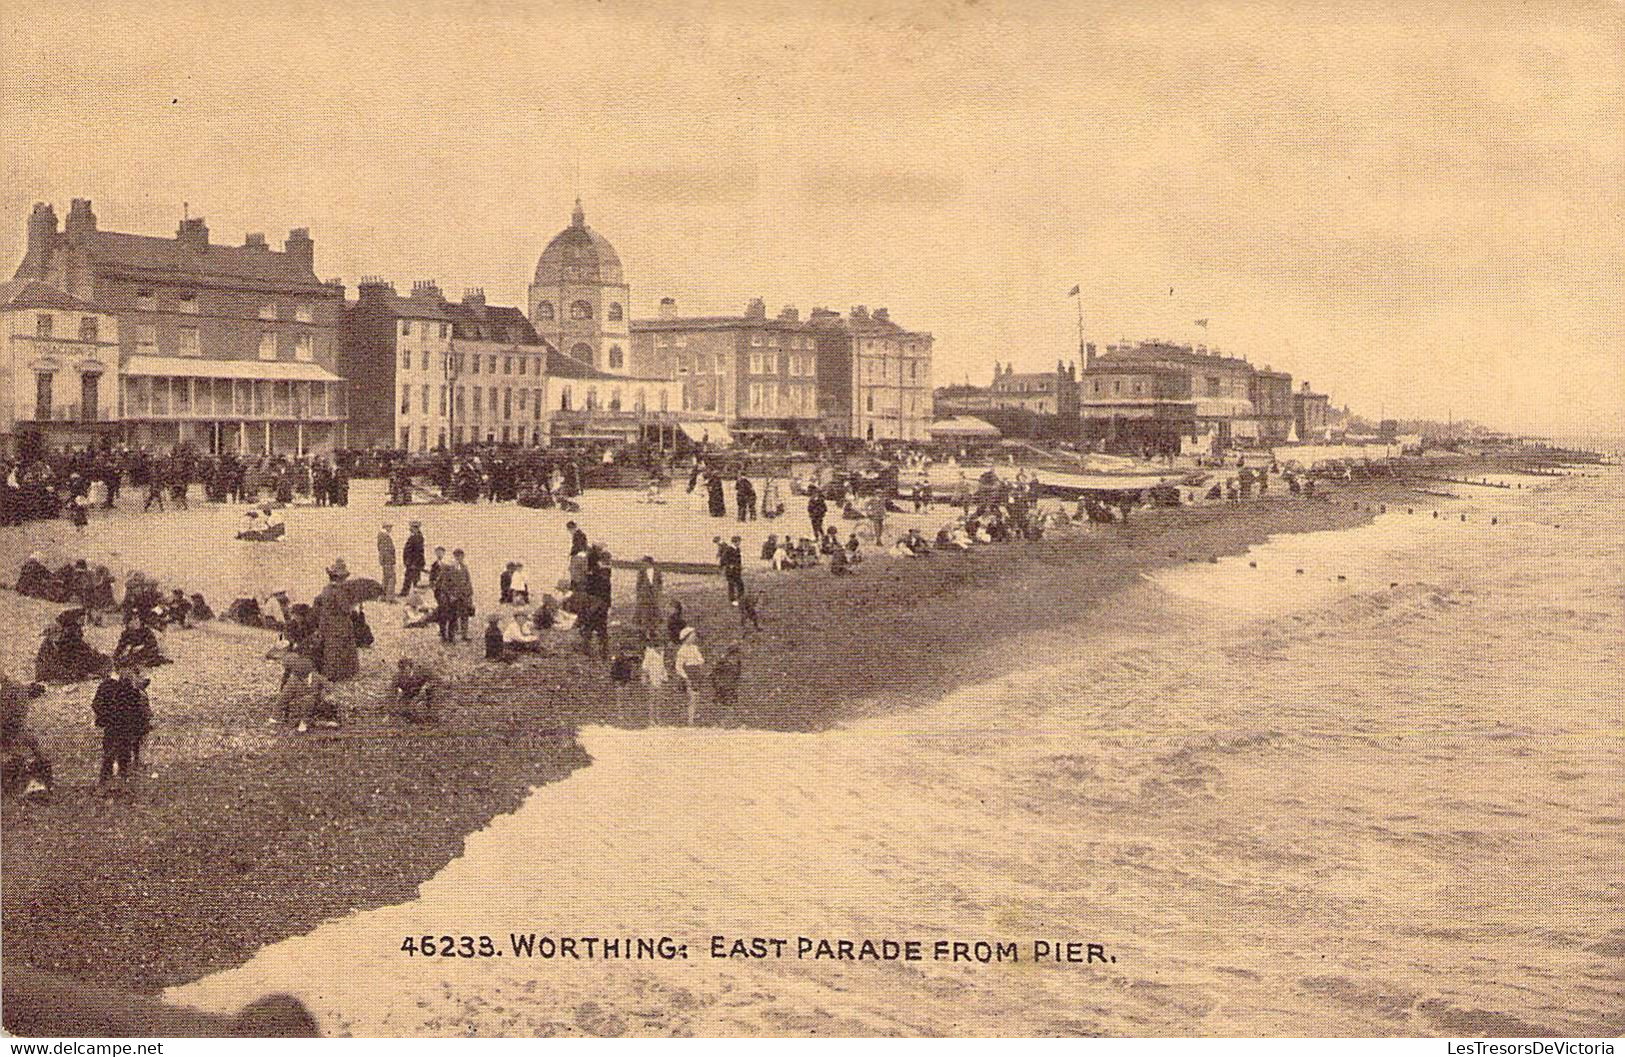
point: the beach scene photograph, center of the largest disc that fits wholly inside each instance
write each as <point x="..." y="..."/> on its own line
<point x="762" y="520"/>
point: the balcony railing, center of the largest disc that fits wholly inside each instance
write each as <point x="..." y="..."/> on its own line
<point x="62" y="413"/>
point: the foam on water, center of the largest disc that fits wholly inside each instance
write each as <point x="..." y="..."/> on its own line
<point x="1287" y="804"/>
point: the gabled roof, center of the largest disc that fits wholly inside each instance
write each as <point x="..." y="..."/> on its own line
<point x="31" y="293"/>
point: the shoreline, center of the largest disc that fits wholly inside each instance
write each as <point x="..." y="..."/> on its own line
<point x="210" y="863"/>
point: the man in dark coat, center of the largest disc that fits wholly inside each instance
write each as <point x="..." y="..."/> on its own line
<point x="412" y="557"/>
<point x="745" y="498"/>
<point x="335" y="626"/>
<point x="816" y="509"/>
<point x="732" y="563"/>
<point x="125" y="715"/>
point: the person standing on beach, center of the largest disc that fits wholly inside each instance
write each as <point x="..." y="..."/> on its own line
<point x="690" y="669"/>
<point x="732" y="564"/>
<point x="816" y="509"/>
<point x="335" y="626"/>
<point x="651" y="588"/>
<point x="716" y="504"/>
<point x="745" y="498"/>
<point x="124" y="715"/>
<point x="461" y="590"/>
<point x="412" y="557"/>
<point x="386" y="561"/>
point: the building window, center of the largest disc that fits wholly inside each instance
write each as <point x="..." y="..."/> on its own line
<point x="406" y="328"/>
<point x="406" y="438"/>
<point x="145" y="301"/>
<point x="592" y="398"/>
<point x="665" y="398"/>
<point x="406" y="399"/>
<point x="869" y="402"/>
<point x="522" y="393"/>
<point x="188" y="303"/>
<point x="544" y="310"/>
<point x="536" y="403"/>
<point x="615" y="400"/>
<point x="423" y="400"/>
<point x="522" y="361"/>
<point x="303" y="313"/>
<point x="580" y="310"/>
<point x="638" y="402"/>
<point x="146" y="336"/>
<point x="189" y="342"/>
<point x="582" y="351"/>
<point x="756" y="339"/>
<point x="423" y="329"/>
<point x="268" y="311"/>
<point x="42" y="325"/>
<point x="303" y="348"/>
<point x="442" y="400"/>
<point x="615" y="312"/>
<point x="1213" y="387"/>
<point x="475" y="360"/>
<point x="267" y="344"/>
<point x="615" y="357"/>
<point x="406" y="359"/>
<point x="89" y="328"/>
<point x="425" y="360"/>
<point x="507" y="365"/>
<point x="89" y="396"/>
<point x="442" y="331"/>
<point x="491" y="364"/>
<point x="564" y="399"/>
<point x="44" y="383"/>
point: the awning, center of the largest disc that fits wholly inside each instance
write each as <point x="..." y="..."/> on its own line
<point x="706" y="433"/>
<point x="254" y="370"/>
<point x="964" y="426"/>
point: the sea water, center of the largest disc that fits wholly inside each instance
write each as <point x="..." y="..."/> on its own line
<point x="1361" y="782"/>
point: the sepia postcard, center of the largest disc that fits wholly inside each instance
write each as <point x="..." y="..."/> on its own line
<point x="751" y="519"/>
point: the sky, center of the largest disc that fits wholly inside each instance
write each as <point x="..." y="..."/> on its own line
<point x="1419" y="208"/>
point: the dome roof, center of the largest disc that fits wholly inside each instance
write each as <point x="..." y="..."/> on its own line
<point x="578" y="254"/>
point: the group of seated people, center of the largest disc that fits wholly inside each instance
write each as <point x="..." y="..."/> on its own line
<point x="73" y="582"/>
<point x="789" y="553"/>
<point x="517" y="630"/>
<point x="911" y="545"/>
<point x="264" y="525"/>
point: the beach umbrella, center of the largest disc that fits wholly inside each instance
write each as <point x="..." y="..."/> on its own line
<point x="361" y="589"/>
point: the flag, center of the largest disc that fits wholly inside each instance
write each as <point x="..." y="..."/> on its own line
<point x="1202" y="323"/>
<point x="1072" y="292"/>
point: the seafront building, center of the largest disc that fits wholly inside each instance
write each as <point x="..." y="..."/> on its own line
<point x="226" y="348"/>
<point x="429" y="373"/>
<point x="580" y="300"/>
<point x="1163" y="397"/>
<point x="59" y="369"/>
<point x="1312" y="413"/>
<point x="862" y="376"/>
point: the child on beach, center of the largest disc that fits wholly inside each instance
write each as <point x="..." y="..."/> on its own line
<point x="623" y="672"/>
<point x="653" y="674"/>
<point x="725" y="684"/>
<point x="690" y="669"/>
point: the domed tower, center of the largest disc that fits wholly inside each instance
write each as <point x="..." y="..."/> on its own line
<point x="580" y="301"/>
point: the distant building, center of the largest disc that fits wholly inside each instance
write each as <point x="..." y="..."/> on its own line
<point x="755" y="373"/>
<point x="225" y="348"/>
<point x="1041" y="392"/>
<point x="1312" y="412"/>
<point x="889" y="380"/>
<point x="1271" y="393"/>
<point x="1159" y="396"/>
<point x="433" y="374"/>
<point x="59" y="369"/>
<point x="580" y="301"/>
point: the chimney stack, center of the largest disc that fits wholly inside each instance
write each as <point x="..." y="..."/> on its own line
<point x="81" y="221"/>
<point x="790" y="314"/>
<point x="193" y="233"/>
<point x="300" y="249"/>
<point x="882" y="316"/>
<point x="1088" y="355"/>
<point x="474" y="295"/>
<point x="668" y="308"/>
<point x="255" y="240"/>
<point x="757" y="309"/>
<point x="426" y="289"/>
<point x="859" y="312"/>
<point x="372" y="288"/>
<point x="42" y="234"/>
